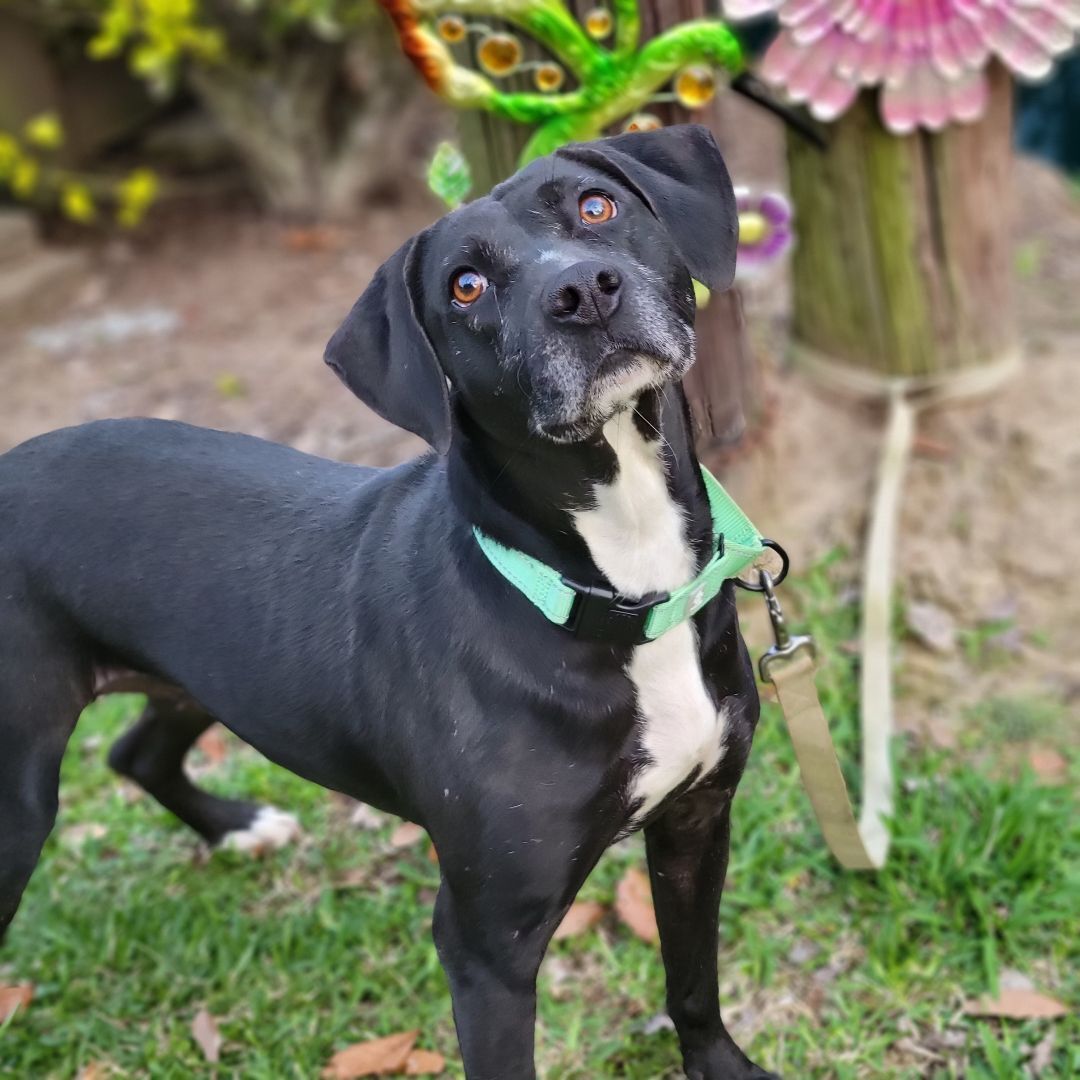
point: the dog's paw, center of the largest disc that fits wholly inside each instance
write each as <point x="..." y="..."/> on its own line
<point x="727" y="1063"/>
<point x="270" y="830"/>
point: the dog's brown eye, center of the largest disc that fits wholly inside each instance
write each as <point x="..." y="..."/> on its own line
<point x="468" y="286"/>
<point x="595" y="208"/>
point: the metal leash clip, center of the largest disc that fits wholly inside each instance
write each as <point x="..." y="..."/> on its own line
<point x="786" y="644"/>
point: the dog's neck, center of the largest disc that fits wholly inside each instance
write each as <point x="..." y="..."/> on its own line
<point x="531" y="496"/>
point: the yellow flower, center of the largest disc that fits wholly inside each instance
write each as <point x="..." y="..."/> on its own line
<point x="77" y="202"/>
<point x="150" y="62"/>
<point x="24" y="177"/>
<point x="9" y="154"/>
<point x="45" y="130"/>
<point x="229" y="385"/>
<point x="159" y="33"/>
<point x="116" y="26"/>
<point x="135" y="193"/>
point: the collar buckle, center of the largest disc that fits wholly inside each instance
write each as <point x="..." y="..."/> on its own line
<point x="601" y="614"/>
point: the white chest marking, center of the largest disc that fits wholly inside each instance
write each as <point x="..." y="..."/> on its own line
<point x="636" y="535"/>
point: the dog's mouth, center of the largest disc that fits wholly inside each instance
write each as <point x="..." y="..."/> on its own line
<point x="621" y="360"/>
<point x="622" y="375"/>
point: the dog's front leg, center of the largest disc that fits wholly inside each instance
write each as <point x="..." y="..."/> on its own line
<point x="688" y="854"/>
<point x="491" y="947"/>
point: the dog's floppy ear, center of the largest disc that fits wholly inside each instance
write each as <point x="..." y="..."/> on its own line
<point x="382" y="353"/>
<point x="679" y="174"/>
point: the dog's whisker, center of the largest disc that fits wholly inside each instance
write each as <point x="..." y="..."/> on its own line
<point x="510" y="459"/>
<point x="659" y="434"/>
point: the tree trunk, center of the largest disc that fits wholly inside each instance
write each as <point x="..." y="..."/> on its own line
<point x="492" y="146"/>
<point x="903" y="263"/>
<point x="322" y="125"/>
<point x="273" y="115"/>
<point x="724" y="387"/>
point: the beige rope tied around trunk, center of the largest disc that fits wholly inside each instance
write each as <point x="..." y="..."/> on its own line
<point x="862" y="844"/>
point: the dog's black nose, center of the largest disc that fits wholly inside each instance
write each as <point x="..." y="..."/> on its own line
<point x="586" y="293"/>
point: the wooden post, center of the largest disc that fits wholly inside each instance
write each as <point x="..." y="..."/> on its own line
<point x="724" y="387"/>
<point x="903" y="264"/>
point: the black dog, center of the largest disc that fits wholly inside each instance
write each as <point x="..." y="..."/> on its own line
<point x="346" y="622"/>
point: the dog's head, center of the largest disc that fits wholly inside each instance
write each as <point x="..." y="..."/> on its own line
<point x="555" y="301"/>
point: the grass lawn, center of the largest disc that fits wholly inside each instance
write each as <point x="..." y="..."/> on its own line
<point x="128" y="929"/>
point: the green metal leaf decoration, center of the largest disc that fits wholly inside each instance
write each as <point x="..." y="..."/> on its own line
<point x="449" y="175"/>
<point x="610" y="75"/>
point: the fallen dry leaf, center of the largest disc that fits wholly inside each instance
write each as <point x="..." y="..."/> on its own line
<point x="926" y="446"/>
<point x="909" y="1045"/>
<point x="932" y="625"/>
<point x="1048" y="765"/>
<point x="14" y="997"/>
<point x="378" y="1057"/>
<point x="77" y="835"/>
<point x="313" y="239"/>
<point x="213" y="745"/>
<point x="1017" y="1005"/>
<point x="95" y="1070"/>
<point x="356" y="878"/>
<point x="942" y="733"/>
<point x="204" y="1031"/>
<point x="1011" y="979"/>
<point x="1042" y="1057"/>
<point x="129" y="792"/>
<point x="583" y="915"/>
<point x="656" y="1023"/>
<point x="406" y="834"/>
<point x="424" y="1063"/>
<point x="634" y="905"/>
<point x="366" y="817"/>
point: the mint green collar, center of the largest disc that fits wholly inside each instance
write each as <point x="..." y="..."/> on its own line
<point x="598" y="613"/>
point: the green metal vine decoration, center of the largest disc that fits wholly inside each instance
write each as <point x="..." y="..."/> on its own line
<point x="613" y="82"/>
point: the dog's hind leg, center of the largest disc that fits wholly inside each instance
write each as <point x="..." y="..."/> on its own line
<point x="44" y="684"/>
<point x="152" y="754"/>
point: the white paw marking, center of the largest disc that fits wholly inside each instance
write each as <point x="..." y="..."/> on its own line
<point x="272" y="829"/>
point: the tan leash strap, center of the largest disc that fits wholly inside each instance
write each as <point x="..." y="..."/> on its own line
<point x="821" y="775"/>
<point x="789" y="666"/>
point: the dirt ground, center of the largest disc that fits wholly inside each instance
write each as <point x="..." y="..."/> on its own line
<point x="991" y="522"/>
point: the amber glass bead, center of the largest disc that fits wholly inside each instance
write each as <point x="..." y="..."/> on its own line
<point x="695" y="86"/>
<point x="499" y="54"/>
<point x="599" y="22"/>
<point x="548" y="77"/>
<point x="451" y="28"/>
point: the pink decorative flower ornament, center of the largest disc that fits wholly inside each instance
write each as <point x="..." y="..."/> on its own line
<point x="928" y="55"/>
